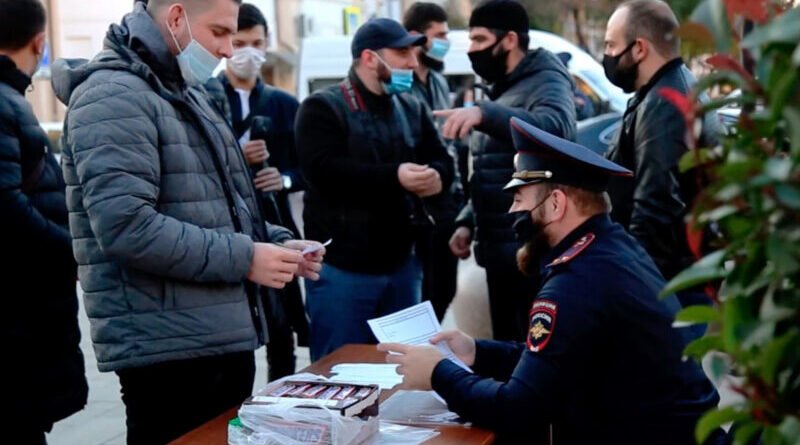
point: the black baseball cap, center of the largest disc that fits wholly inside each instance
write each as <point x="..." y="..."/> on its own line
<point x="382" y="33"/>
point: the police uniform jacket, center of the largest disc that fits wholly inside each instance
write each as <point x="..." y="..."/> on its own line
<point x="602" y="363"/>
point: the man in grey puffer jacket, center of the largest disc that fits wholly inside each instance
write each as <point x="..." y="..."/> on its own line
<point x="166" y="229"/>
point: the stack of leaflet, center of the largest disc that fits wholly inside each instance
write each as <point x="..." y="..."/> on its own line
<point x="383" y="375"/>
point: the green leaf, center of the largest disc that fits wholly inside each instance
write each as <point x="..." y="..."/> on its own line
<point x="778" y="168"/>
<point x="788" y="195"/>
<point x="698" y="314"/>
<point x="701" y="346"/>
<point x="738" y="321"/>
<point x="719" y="365"/>
<point x="718" y="214"/>
<point x="790" y="429"/>
<point x="692" y="277"/>
<point x="796" y="56"/>
<point x="782" y="254"/>
<point x="783" y="29"/>
<point x="709" y="268"/>
<point x="745" y="432"/>
<point x="695" y="158"/>
<point x="728" y="192"/>
<point x="714" y="419"/>
<point x="773" y="355"/>
<point x="760" y="335"/>
<point x="711" y="14"/>
<point x="792" y="116"/>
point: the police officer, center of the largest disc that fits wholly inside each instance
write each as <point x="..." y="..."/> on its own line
<point x="602" y="362"/>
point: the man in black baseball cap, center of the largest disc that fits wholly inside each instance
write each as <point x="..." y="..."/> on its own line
<point x="534" y="86"/>
<point x="369" y="155"/>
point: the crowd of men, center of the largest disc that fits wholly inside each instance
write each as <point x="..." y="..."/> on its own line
<point x="171" y="207"/>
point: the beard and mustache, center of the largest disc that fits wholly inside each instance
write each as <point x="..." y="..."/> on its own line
<point x="535" y="244"/>
<point x="435" y="65"/>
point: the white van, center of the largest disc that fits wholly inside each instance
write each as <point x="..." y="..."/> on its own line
<point x="325" y="61"/>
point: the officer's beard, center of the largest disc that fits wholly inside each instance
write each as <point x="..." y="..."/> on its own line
<point x="531" y="253"/>
<point x="435" y="65"/>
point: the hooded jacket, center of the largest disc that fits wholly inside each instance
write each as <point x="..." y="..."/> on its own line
<point x="163" y="214"/>
<point x="538" y="91"/>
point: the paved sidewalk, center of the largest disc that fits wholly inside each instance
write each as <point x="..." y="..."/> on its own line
<point x="102" y="421"/>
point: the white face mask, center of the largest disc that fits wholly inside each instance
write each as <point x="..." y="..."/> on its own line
<point x="197" y="64"/>
<point x="246" y="62"/>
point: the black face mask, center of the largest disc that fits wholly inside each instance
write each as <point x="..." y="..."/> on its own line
<point x="436" y="65"/>
<point x="525" y="229"/>
<point x="623" y="77"/>
<point x="489" y="65"/>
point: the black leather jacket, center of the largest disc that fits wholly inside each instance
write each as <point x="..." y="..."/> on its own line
<point x="653" y="204"/>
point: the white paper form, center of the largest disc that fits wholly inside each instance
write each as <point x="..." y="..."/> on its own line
<point x="412" y="326"/>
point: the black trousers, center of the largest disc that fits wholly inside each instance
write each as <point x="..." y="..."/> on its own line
<point x="439" y="268"/>
<point x="280" y="345"/>
<point x="20" y="434"/>
<point x="167" y="400"/>
<point x="510" y="297"/>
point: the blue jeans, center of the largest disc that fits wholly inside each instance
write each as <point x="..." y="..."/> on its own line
<point x="340" y="303"/>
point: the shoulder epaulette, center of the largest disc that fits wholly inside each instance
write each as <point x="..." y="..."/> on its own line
<point x="573" y="251"/>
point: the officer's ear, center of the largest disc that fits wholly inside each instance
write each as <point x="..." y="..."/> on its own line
<point x="558" y="205"/>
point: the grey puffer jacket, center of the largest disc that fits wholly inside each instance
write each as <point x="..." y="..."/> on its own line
<point x="162" y="208"/>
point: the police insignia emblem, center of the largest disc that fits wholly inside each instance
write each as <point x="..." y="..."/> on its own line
<point x="542" y="322"/>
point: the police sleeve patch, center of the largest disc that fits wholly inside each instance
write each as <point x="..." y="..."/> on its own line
<point x="542" y="323"/>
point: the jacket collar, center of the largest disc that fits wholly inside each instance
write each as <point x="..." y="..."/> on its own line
<point x="596" y="224"/>
<point x="668" y="67"/>
<point x="11" y="75"/>
<point x="526" y="67"/>
<point x="372" y="101"/>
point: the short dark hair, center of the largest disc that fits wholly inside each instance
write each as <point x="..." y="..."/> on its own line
<point x="421" y="14"/>
<point x="655" y="21"/>
<point x="20" y="22"/>
<point x="250" y="17"/>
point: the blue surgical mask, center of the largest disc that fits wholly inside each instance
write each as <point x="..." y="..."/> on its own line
<point x="400" y="80"/>
<point x="197" y="64"/>
<point x="439" y="48"/>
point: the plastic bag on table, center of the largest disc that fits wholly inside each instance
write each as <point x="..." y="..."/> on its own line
<point x="289" y="424"/>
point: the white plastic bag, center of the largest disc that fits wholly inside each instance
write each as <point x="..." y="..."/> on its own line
<point x="289" y="424"/>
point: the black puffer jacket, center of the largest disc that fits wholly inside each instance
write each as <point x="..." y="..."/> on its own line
<point x="652" y="205"/>
<point x="538" y="91"/>
<point x="45" y="381"/>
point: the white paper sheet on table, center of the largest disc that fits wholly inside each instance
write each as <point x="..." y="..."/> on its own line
<point x="382" y="374"/>
<point x="412" y="326"/>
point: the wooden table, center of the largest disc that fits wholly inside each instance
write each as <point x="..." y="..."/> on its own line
<point x="215" y="431"/>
